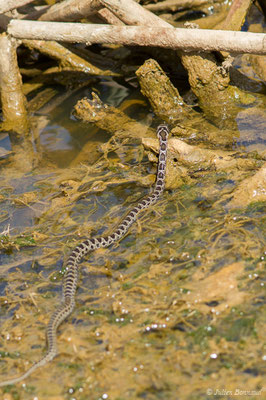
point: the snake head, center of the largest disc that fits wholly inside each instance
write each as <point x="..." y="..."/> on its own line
<point x="163" y="131"/>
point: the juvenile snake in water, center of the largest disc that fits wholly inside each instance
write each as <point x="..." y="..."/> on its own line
<point x="71" y="274"/>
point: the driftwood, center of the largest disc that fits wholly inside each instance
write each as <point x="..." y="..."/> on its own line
<point x="174" y="38"/>
<point x="12" y="97"/>
<point x="74" y="10"/>
<point x="194" y="157"/>
<point x="184" y="159"/>
<point x="209" y="81"/>
<point x="163" y="96"/>
<point x="70" y="10"/>
<point x="131" y="13"/>
<point x="110" y="118"/>
<point x="170" y="107"/>
<point x="66" y="58"/>
<point x="8" y="5"/>
<point x="15" y="117"/>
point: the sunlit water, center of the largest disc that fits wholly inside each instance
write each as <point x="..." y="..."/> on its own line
<point x="173" y="311"/>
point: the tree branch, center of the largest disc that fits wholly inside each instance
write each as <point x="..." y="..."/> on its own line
<point x="71" y="10"/>
<point x="7" y="5"/>
<point x="132" y="13"/>
<point x="173" y="38"/>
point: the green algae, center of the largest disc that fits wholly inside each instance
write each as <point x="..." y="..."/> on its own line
<point x="8" y="243"/>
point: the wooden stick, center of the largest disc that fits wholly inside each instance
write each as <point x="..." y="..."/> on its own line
<point x="173" y="38"/>
<point x="71" y="10"/>
<point x="67" y="58"/>
<point x="7" y="5"/>
<point x="74" y="10"/>
<point x="132" y="13"/>
<point x="108" y="17"/>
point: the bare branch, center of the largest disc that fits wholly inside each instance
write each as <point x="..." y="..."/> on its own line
<point x="71" y="10"/>
<point x="7" y="5"/>
<point x="74" y="10"/>
<point x="131" y="13"/>
<point x="108" y="17"/>
<point x="173" y="38"/>
<point x="67" y="58"/>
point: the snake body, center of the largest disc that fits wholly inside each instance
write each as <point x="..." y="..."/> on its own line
<point x="71" y="274"/>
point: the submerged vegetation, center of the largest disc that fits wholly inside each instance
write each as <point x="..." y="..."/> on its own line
<point x="8" y="242"/>
<point x="176" y="310"/>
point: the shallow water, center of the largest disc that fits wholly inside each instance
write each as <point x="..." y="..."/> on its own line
<point x="176" y="310"/>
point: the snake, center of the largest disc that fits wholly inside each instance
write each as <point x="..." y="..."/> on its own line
<point x="70" y="280"/>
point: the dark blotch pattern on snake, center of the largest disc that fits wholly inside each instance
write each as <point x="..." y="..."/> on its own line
<point x="71" y="274"/>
